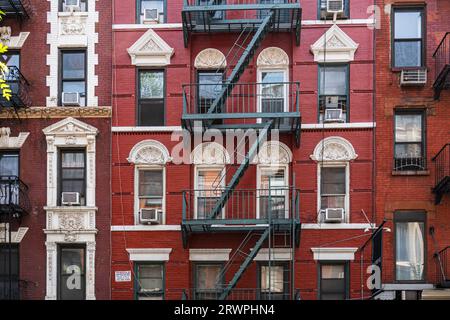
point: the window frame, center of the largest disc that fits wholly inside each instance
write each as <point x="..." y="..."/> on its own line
<point x="346" y="10"/>
<point x="319" y="95"/>
<point x="139" y="168"/>
<point x="138" y="95"/>
<point x="423" y="39"/>
<point x="347" y="277"/>
<point x="204" y="167"/>
<point x="195" y="275"/>
<point x="136" y="281"/>
<point x="198" y="73"/>
<point x="422" y="113"/>
<point x="139" y="11"/>
<point x="7" y="247"/>
<point x="58" y="273"/>
<point x="12" y="152"/>
<point x="404" y="216"/>
<point x="260" y="169"/>
<point x="286" y="282"/>
<point x="337" y="164"/>
<point x="60" y="179"/>
<point x="285" y="72"/>
<point x="61" y="79"/>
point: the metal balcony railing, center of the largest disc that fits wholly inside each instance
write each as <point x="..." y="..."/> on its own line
<point x="442" y="259"/>
<point x="19" y="86"/>
<point x="14" y="199"/>
<point x="236" y="294"/>
<point x="16" y="8"/>
<point x="245" y="104"/>
<point x="410" y="163"/>
<point x="442" y="65"/>
<point x="442" y="172"/>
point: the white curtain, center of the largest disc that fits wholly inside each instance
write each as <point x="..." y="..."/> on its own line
<point x="410" y="251"/>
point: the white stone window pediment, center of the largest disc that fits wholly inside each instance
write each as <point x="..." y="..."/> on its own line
<point x="8" y="142"/>
<point x="210" y="59"/>
<point x="334" y="149"/>
<point x="339" y="46"/>
<point x="210" y="153"/>
<point x="149" y="254"/>
<point x="13" y="42"/>
<point x="150" y="50"/>
<point x="273" y="152"/>
<point x="149" y="152"/>
<point x="209" y="254"/>
<point x="273" y="57"/>
<point x="70" y="126"/>
<point x="334" y="254"/>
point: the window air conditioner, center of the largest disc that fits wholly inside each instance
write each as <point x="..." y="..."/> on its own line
<point x="150" y="216"/>
<point x="335" y="6"/>
<point x="71" y="99"/>
<point x="70" y="199"/>
<point x="334" y="215"/>
<point x="333" y="115"/>
<point x="151" y="15"/>
<point x="416" y="77"/>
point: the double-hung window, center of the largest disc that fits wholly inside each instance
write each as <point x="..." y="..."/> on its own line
<point x="209" y="88"/>
<point x="72" y="273"/>
<point x="409" y="141"/>
<point x="208" y="281"/>
<point x="273" y="95"/>
<point x="149" y="281"/>
<point x="333" y="281"/>
<point x="333" y="188"/>
<point x="72" y="179"/>
<point x="73" y="5"/>
<point x="9" y="272"/>
<point x="273" y="195"/>
<point x="273" y="282"/>
<point x="410" y="246"/>
<point x="9" y="172"/>
<point x="73" y="78"/>
<point x="151" y="192"/>
<point x="151" y="11"/>
<point x="324" y="14"/>
<point x="210" y="182"/>
<point x="408" y="37"/>
<point x="333" y="93"/>
<point x="151" y="98"/>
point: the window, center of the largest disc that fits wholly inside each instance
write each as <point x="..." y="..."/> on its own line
<point x="11" y="59"/>
<point x="273" y="282"/>
<point x="408" y="44"/>
<point x="149" y="282"/>
<point x="210" y="183"/>
<point x="209" y="88"/>
<point x="75" y="5"/>
<point x="151" y="11"/>
<point x="71" y="277"/>
<point x="9" y="171"/>
<point x="273" y="91"/>
<point x="333" y="281"/>
<point x="214" y="15"/>
<point x="73" y="75"/>
<point x="273" y="193"/>
<point x="333" y="189"/>
<point x="151" y="190"/>
<point x="151" y="95"/>
<point x="73" y="173"/>
<point x="208" y="281"/>
<point x="283" y="15"/>
<point x="9" y="277"/>
<point x="409" y="141"/>
<point x="409" y="246"/>
<point x="323" y="14"/>
<point x="333" y="93"/>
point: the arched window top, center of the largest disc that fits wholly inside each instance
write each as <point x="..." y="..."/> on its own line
<point x="149" y="152"/>
<point x="273" y="152"/>
<point x="273" y="57"/>
<point x="210" y="59"/>
<point x="210" y="153"/>
<point x="334" y="149"/>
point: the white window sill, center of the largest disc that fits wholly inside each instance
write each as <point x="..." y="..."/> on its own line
<point x="161" y="227"/>
<point x="337" y="226"/>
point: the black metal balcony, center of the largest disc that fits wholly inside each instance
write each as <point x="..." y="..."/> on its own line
<point x="19" y="86"/>
<point x="442" y="173"/>
<point x="16" y="8"/>
<point x="14" y="201"/>
<point x="442" y="66"/>
<point x="206" y="16"/>
<point x="442" y="259"/>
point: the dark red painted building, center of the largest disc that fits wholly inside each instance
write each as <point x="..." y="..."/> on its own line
<point x="413" y="154"/>
<point x="294" y="218"/>
<point x="55" y="142"/>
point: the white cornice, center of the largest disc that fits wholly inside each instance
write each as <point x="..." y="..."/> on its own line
<point x="209" y="254"/>
<point x="133" y="228"/>
<point x="332" y="254"/>
<point x="149" y="254"/>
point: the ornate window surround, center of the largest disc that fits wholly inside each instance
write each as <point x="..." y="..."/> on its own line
<point x="13" y="42"/>
<point x="148" y="155"/>
<point x="8" y="142"/>
<point x="70" y="224"/>
<point x="150" y="50"/>
<point x="210" y="59"/>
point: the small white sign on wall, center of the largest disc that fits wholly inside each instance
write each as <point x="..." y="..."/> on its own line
<point x="123" y="276"/>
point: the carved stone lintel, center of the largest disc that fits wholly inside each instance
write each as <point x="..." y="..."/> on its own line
<point x="273" y="57"/>
<point x="210" y="59"/>
<point x="334" y="149"/>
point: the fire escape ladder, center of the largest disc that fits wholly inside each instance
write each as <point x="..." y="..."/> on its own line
<point x="240" y="171"/>
<point x="242" y="64"/>
<point x="248" y="260"/>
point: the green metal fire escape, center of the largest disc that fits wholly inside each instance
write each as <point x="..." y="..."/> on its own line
<point x="239" y="105"/>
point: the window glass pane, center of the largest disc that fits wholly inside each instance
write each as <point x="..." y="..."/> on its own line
<point x="333" y="80"/>
<point x="151" y="183"/>
<point x="276" y="179"/>
<point x="154" y="9"/>
<point x="333" y="180"/>
<point x="83" y="4"/>
<point x="11" y="59"/>
<point x="73" y="65"/>
<point x="73" y="186"/>
<point x="71" y="274"/>
<point x="333" y="271"/>
<point x="151" y="112"/>
<point x="408" y="24"/>
<point x="208" y="179"/>
<point x="208" y="276"/>
<point x="272" y="279"/>
<point x="151" y="84"/>
<point x="332" y="282"/>
<point x="408" y="53"/>
<point x="72" y="159"/>
<point x="408" y="150"/>
<point x="409" y="250"/>
<point x="9" y="164"/>
<point x="150" y="278"/>
<point x="74" y="86"/>
<point x="210" y="85"/>
<point x="408" y="128"/>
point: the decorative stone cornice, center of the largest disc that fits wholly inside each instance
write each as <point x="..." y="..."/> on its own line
<point x="149" y="152"/>
<point x="334" y="149"/>
<point x="150" y="50"/>
<point x="273" y="57"/>
<point x="210" y="59"/>
<point x="210" y="153"/>
<point x="56" y="112"/>
<point x="273" y="153"/>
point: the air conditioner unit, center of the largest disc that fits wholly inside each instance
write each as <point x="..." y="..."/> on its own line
<point x="72" y="5"/>
<point x="71" y="99"/>
<point x="151" y="15"/>
<point x="331" y="102"/>
<point x="70" y="199"/>
<point x="335" y="6"/>
<point x="150" y="216"/>
<point x="333" y="215"/>
<point x="417" y="77"/>
<point x="333" y="115"/>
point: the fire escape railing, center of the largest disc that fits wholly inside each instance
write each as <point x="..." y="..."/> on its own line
<point x="14" y="200"/>
<point x="442" y="259"/>
<point x="442" y="173"/>
<point x="20" y="88"/>
<point x="442" y="65"/>
<point x="16" y="8"/>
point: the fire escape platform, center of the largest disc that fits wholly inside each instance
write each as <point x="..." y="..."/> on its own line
<point x="20" y="87"/>
<point x="218" y="225"/>
<point x="442" y="66"/>
<point x="14" y="201"/>
<point x="15" y="8"/>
